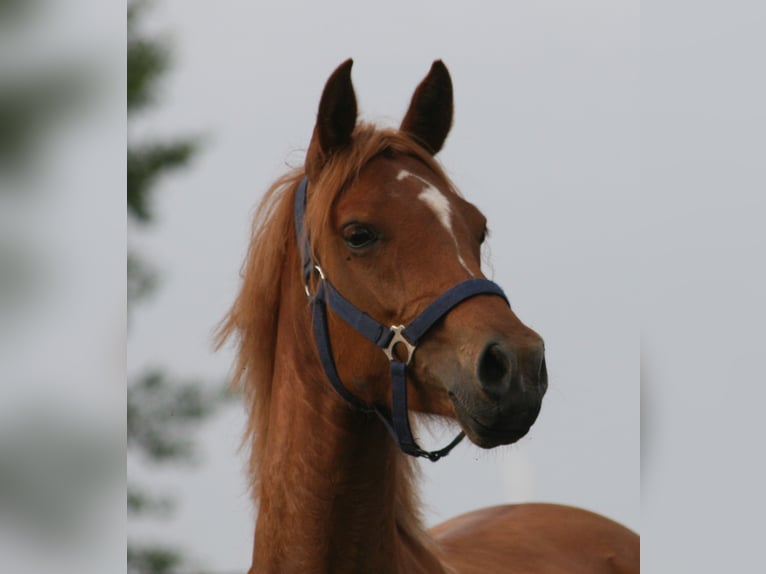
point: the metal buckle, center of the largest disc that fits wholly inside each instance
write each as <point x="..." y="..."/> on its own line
<point x="399" y="338"/>
<point x="318" y="269"/>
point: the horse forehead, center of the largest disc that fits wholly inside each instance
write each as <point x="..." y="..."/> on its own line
<point x="388" y="183"/>
<point x="432" y="197"/>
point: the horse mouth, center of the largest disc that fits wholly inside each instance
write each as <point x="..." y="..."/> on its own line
<point x="494" y="430"/>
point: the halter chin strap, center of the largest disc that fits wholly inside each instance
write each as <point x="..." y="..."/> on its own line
<point x="385" y="337"/>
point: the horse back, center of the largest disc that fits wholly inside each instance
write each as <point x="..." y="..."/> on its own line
<point x="537" y="539"/>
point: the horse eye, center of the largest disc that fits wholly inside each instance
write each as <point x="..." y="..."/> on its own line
<point x="357" y="236"/>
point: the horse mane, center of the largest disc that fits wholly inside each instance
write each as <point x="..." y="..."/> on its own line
<point x="253" y="318"/>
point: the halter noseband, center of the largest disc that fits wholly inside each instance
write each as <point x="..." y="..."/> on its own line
<point x="386" y="338"/>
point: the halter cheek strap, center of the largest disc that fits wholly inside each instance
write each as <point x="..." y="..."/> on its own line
<point x="386" y="338"/>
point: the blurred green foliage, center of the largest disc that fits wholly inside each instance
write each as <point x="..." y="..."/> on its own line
<point x="148" y="60"/>
<point x="35" y="93"/>
<point x="145" y="164"/>
<point x="40" y="94"/>
<point x="53" y="470"/>
<point x="142" y="278"/>
<point x="155" y="559"/>
<point x="32" y="102"/>
<point x="162" y="412"/>
<point x="20" y="279"/>
<point x="59" y="462"/>
<point x="15" y="12"/>
<point x="162" y="415"/>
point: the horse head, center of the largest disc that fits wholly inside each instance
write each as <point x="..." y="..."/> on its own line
<point x="392" y="234"/>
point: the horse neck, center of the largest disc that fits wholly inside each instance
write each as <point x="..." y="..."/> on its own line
<point x="334" y="492"/>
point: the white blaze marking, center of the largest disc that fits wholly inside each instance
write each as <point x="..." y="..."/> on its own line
<point x="440" y="205"/>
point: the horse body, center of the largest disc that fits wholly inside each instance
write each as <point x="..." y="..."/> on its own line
<point x="537" y="538"/>
<point x="334" y="492"/>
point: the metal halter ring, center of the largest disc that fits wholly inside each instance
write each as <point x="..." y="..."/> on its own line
<point x="398" y="337"/>
<point x="318" y="269"/>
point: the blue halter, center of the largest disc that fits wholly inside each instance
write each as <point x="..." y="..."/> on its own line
<point x="386" y="338"/>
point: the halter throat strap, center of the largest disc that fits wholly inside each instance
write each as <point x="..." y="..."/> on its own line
<point x="385" y="337"/>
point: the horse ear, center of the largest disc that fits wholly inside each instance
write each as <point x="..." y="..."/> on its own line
<point x="429" y="117"/>
<point x="335" y="120"/>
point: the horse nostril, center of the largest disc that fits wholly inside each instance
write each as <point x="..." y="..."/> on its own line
<point x="494" y="370"/>
<point x="542" y="375"/>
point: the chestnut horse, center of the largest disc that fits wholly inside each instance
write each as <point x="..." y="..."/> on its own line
<point x="370" y="248"/>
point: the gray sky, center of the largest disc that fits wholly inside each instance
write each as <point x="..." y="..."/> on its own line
<point x="545" y="142"/>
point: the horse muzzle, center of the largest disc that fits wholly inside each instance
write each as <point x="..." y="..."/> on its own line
<point x="503" y="398"/>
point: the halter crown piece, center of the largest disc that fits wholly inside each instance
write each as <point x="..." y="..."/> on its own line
<point x="386" y="338"/>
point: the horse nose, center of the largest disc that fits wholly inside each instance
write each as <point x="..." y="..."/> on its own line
<point x="495" y="371"/>
<point x="502" y="378"/>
